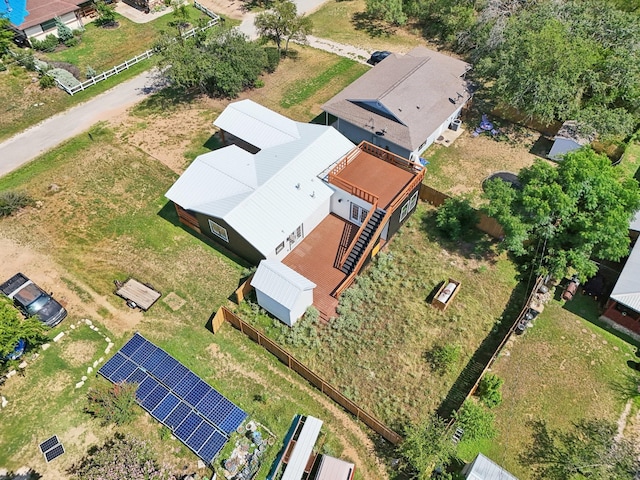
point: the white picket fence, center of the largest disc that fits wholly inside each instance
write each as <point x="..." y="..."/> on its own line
<point x="138" y="58"/>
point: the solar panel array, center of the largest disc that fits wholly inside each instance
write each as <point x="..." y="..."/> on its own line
<point x="197" y="414"/>
<point x="51" y="448"/>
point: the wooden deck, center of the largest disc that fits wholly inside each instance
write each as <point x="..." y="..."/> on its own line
<point x="142" y="295"/>
<point x="381" y="178"/>
<point x="315" y="258"/>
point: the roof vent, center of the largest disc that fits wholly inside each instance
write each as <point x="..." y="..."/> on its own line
<point x="313" y="194"/>
<point x="298" y="186"/>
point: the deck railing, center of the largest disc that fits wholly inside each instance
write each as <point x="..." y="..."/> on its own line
<point x="352" y="189"/>
<point x="389" y="157"/>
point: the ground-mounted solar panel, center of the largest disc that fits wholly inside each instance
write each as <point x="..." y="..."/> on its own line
<point x="133" y="344"/>
<point x="164" y="367"/>
<point x="54" y="453"/>
<point x="165" y="407"/>
<point x="212" y="447"/>
<point x="121" y="374"/>
<point x="143" y="352"/>
<point x="152" y="400"/>
<point x="233" y="420"/>
<point x="112" y="365"/>
<point x="188" y="426"/>
<point x="49" y="443"/>
<point x="145" y="388"/>
<point x="195" y="412"/>
<point x="173" y="378"/>
<point x="196" y="394"/>
<point x="177" y="416"/>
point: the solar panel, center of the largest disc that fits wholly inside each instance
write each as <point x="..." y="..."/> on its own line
<point x="145" y="388"/>
<point x="233" y="420"/>
<point x="143" y="352"/>
<point x="154" y="359"/>
<point x="49" y="443"/>
<point x="112" y="365"/>
<point x="198" y="414"/>
<point x="165" y="407"/>
<point x="155" y="397"/>
<point x="209" y="402"/>
<point x="173" y="378"/>
<point x="186" y="384"/>
<point x="187" y="427"/>
<point x="132" y="345"/>
<point x="164" y="368"/>
<point x="198" y="391"/>
<point x="54" y="453"/>
<point x="212" y="447"/>
<point x="200" y="436"/>
<point x="121" y="374"/>
<point x="178" y="415"/>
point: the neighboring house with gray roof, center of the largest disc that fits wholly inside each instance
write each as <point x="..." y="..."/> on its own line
<point x="569" y="138"/>
<point x="404" y="103"/>
<point x="623" y="306"/>
<point x="35" y="19"/>
<point x="483" y="468"/>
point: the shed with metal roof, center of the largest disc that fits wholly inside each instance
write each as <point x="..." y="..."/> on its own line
<point x="281" y="291"/>
<point x="304" y="440"/>
<point x="483" y="468"/>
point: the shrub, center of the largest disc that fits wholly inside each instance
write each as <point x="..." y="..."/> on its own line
<point x="113" y="403"/>
<point x="273" y="59"/>
<point x="27" y="60"/>
<point x="40" y="65"/>
<point x="106" y="14"/>
<point x="443" y="358"/>
<point x="91" y="72"/>
<point x="64" y="77"/>
<point x="47" y="81"/>
<point x="69" y="67"/>
<point x="489" y="390"/>
<point x="49" y="43"/>
<point x="477" y="421"/>
<point x="64" y="32"/>
<point x="72" y="42"/>
<point x="3" y="67"/>
<point x="456" y="217"/>
<point x="12" y="201"/>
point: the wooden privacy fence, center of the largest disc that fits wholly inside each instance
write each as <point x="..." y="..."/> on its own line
<point x="138" y="58"/>
<point x="486" y="224"/>
<point x="224" y="314"/>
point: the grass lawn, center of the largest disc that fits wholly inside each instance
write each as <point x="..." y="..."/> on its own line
<point x="103" y="48"/>
<point x="564" y="369"/>
<point x="110" y="220"/>
<point x="379" y="359"/>
<point x="346" y="22"/>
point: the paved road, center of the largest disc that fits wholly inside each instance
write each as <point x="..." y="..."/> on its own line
<point x="40" y="138"/>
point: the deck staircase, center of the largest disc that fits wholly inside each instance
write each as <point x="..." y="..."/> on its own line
<point x="364" y="239"/>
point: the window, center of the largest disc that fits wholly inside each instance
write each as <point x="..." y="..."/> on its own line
<point x="218" y="231"/>
<point x="410" y="205"/>
<point x="279" y="248"/>
<point x="48" y="25"/>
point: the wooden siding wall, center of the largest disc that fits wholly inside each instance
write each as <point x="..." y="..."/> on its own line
<point x="306" y="373"/>
<point x="187" y="219"/>
<point x="486" y="224"/>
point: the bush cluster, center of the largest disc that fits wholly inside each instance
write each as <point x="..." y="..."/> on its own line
<point x="12" y="201"/>
<point x="489" y="390"/>
<point x="113" y="403"/>
<point x="476" y="420"/>
<point x="456" y="217"/>
<point x="49" y="43"/>
<point x="273" y="59"/>
<point x="442" y="358"/>
<point x="64" y="77"/>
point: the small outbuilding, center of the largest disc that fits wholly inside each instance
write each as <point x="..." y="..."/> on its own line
<point x="568" y="139"/>
<point x="282" y="291"/>
<point x="483" y="468"/>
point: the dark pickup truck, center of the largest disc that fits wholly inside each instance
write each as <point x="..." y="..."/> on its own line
<point x="32" y="300"/>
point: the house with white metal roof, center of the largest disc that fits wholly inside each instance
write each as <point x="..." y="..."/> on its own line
<point x="623" y="306"/>
<point x="282" y="291"/>
<point x="265" y="195"/>
<point x="483" y="468"/>
<point x="404" y="103"/>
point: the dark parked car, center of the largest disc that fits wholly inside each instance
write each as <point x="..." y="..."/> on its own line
<point x="377" y="57"/>
<point x="32" y="300"/>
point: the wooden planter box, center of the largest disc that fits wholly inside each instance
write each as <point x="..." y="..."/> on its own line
<point x="445" y="295"/>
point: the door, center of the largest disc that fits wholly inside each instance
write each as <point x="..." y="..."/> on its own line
<point x="358" y="214"/>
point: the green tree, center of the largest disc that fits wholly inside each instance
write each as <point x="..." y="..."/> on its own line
<point x="476" y="420"/>
<point x="391" y="11"/>
<point x="121" y="458"/>
<point x="180" y="15"/>
<point x="64" y="32"/>
<point x="6" y="34"/>
<point x="565" y="216"/>
<point x="106" y="14"/>
<point x="589" y="450"/>
<point x="282" y="24"/>
<point x="489" y="390"/>
<point x="13" y="328"/>
<point x="456" y="217"/>
<point x="220" y="62"/>
<point x="426" y="446"/>
<point x="113" y="403"/>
